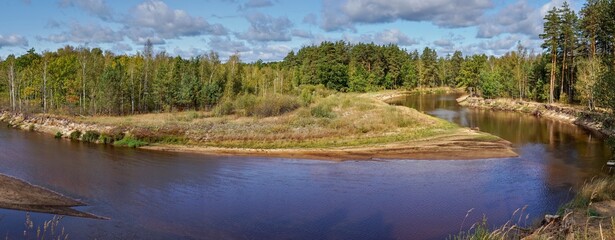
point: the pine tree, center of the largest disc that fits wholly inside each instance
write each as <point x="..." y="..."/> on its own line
<point x="551" y="43"/>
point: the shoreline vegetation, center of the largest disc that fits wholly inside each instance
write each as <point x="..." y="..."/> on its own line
<point x="598" y="121"/>
<point x="589" y="215"/>
<point x="336" y="126"/>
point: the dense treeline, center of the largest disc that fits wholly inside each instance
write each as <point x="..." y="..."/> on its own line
<point x="577" y="66"/>
<point x="90" y="81"/>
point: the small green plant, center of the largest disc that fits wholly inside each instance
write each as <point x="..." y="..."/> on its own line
<point x="90" y="136"/>
<point x="58" y="135"/>
<point x="75" y="135"/>
<point x="129" y="141"/>
<point x="31" y="127"/>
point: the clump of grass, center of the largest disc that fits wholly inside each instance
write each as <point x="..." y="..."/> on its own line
<point x="58" y="135"/>
<point x="51" y="229"/>
<point x="513" y="229"/>
<point x="90" y="136"/>
<point x="75" y="135"/>
<point x="596" y="190"/>
<point x="131" y="142"/>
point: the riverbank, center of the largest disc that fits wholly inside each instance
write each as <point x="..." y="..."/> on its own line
<point x="20" y="195"/>
<point x="342" y="126"/>
<point x="590" y="215"/>
<point x="596" y="121"/>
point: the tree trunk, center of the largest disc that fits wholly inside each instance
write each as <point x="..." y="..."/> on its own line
<point x="563" y="78"/>
<point x="45" y="87"/>
<point x="82" y="110"/>
<point x="552" y="80"/>
<point x="12" y="83"/>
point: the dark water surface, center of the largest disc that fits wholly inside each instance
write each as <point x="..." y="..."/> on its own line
<point x="158" y="195"/>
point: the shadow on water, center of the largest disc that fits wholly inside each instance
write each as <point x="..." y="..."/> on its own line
<point x="159" y="195"/>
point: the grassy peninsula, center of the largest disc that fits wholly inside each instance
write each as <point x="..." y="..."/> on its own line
<point x="333" y="126"/>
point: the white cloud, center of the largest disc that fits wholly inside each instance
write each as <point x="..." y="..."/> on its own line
<point x="267" y="28"/>
<point x="121" y="48"/>
<point x="227" y="46"/>
<point x="302" y="33"/>
<point x="518" y="17"/>
<point x="384" y="37"/>
<point x="189" y="53"/>
<point x="500" y="45"/>
<point x="13" y="40"/>
<point x="394" y="36"/>
<point x="87" y="33"/>
<point x="343" y="14"/>
<point x="169" y="23"/>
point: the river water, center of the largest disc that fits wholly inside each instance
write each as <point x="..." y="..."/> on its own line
<point x="160" y="195"/>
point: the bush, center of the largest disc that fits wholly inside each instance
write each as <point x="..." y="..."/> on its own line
<point x="273" y="105"/>
<point x="224" y="108"/>
<point x="111" y="136"/>
<point x="245" y="103"/>
<point x="90" y="136"/>
<point x="75" y="135"/>
<point x="322" y="111"/>
<point x="58" y="135"/>
<point x="130" y="142"/>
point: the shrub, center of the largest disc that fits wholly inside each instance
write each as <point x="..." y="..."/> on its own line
<point x="90" y="136"/>
<point x="224" y="108"/>
<point x="58" y="135"/>
<point x="322" y="111"/>
<point x="129" y="141"/>
<point x="245" y="103"/>
<point x="75" y="135"/>
<point x="273" y="105"/>
<point x="307" y="96"/>
<point x="111" y="136"/>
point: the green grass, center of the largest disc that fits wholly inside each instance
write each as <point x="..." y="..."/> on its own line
<point x="130" y="142"/>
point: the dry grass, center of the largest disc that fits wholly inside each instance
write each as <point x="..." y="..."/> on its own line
<point x="590" y="215"/>
<point x="333" y="121"/>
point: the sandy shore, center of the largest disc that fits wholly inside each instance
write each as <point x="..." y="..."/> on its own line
<point x="462" y="145"/>
<point x="20" y="195"/>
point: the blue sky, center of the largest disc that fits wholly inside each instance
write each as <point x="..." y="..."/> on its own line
<point x="269" y="29"/>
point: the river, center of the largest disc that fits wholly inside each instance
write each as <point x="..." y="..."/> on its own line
<point x="161" y="195"/>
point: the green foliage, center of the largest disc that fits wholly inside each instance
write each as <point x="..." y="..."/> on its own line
<point x="90" y="136"/>
<point x="491" y="84"/>
<point x="322" y="111"/>
<point x="224" y="108"/>
<point x="605" y="88"/>
<point x="58" y="135"/>
<point x="588" y="75"/>
<point x="75" y="135"/>
<point x="111" y="136"/>
<point x="130" y="142"/>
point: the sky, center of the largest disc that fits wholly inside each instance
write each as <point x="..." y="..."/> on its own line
<point x="269" y="29"/>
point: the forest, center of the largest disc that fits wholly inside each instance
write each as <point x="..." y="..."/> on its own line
<point x="577" y="66"/>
